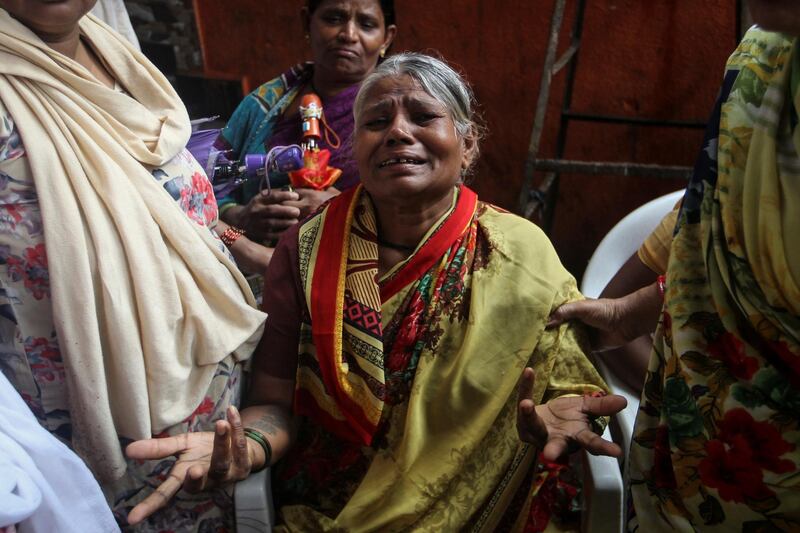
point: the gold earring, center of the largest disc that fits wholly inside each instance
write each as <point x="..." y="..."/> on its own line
<point x="383" y="53"/>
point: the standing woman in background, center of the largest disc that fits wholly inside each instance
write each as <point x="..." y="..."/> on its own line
<point x="121" y="314"/>
<point x="347" y="39"/>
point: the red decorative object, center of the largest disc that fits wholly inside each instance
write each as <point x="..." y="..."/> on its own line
<point x="662" y="285"/>
<point x="315" y="174"/>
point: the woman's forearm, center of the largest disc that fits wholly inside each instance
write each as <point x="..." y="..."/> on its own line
<point x="275" y="423"/>
<point x="640" y="311"/>
<point x="250" y="256"/>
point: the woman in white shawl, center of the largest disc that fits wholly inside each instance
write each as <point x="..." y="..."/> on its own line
<point x="122" y="316"/>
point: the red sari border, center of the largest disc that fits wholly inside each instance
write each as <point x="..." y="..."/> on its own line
<point x="435" y="247"/>
<point x="327" y="308"/>
<point x="327" y="302"/>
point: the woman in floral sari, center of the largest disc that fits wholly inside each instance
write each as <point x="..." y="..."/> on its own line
<point x="403" y="314"/>
<point x="717" y="445"/>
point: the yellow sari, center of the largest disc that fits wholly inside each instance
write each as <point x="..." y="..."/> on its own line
<point x="408" y="384"/>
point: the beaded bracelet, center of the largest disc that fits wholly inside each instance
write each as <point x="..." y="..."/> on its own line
<point x="230" y="235"/>
<point x="262" y="441"/>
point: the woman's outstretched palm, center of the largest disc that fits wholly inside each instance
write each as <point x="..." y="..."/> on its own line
<point x="205" y="459"/>
<point x="563" y="423"/>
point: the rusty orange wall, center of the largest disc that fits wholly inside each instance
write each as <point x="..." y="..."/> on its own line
<point x="645" y="58"/>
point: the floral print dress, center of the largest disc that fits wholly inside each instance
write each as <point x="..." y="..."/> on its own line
<point x="29" y="350"/>
<point x="716" y="445"/>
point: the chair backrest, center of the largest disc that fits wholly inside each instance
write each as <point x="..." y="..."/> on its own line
<point x="603" y="483"/>
<point x="623" y="240"/>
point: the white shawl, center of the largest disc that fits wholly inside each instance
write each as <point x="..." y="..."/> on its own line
<point x="145" y="304"/>
<point x="44" y="487"/>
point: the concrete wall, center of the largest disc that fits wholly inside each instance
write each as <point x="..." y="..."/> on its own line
<point x="643" y="58"/>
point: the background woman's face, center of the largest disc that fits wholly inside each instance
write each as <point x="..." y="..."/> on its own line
<point x="347" y="37"/>
<point x="406" y="144"/>
<point x="48" y="17"/>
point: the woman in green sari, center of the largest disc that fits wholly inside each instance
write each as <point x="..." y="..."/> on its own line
<point x="402" y="316"/>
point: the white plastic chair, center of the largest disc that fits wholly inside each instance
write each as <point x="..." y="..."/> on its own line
<point x="252" y="500"/>
<point x="605" y="490"/>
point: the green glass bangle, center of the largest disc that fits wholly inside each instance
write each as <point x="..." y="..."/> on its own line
<point x="225" y="207"/>
<point x="262" y="441"/>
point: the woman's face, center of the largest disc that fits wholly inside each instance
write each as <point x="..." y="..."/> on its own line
<point x="48" y="17"/>
<point x="406" y="144"/>
<point x="347" y="37"/>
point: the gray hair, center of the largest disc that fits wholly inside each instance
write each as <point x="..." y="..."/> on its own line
<point x="437" y="79"/>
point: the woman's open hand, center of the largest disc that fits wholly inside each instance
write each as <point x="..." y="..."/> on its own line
<point x="563" y="423"/>
<point x="205" y="459"/>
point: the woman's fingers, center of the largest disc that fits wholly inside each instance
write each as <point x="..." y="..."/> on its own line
<point x="241" y="457"/>
<point x="562" y="314"/>
<point x="274" y="205"/>
<point x="157" y="448"/>
<point x="157" y="499"/>
<point x="278" y="224"/>
<point x="597" y="445"/>
<point x="595" y="313"/>
<point x="221" y="454"/>
<point x="525" y="387"/>
<point x="196" y="478"/>
<point x="603" y="405"/>
<point x="276" y="197"/>
<point x="530" y="427"/>
<point x="278" y="211"/>
<point x="555" y="448"/>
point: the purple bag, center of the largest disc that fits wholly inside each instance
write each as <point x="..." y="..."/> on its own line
<point x="200" y="144"/>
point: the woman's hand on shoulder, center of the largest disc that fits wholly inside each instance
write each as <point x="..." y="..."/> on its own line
<point x="311" y="199"/>
<point x="564" y="424"/>
<point x="615" y="321"/>
<point x="205" y="459"/>
<point x="604" y="315"/>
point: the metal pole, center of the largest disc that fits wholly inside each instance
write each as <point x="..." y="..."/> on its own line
<point x="541" y="104"/>
<point x="618" y="169"/>
<point x="635" y="121"/>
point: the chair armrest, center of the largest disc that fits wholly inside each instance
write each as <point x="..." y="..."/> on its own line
<point x="253" y="506"/>
<point x="603" y="492"/>
<point x="621" y="424"/>
<point x="604" y="488"/>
